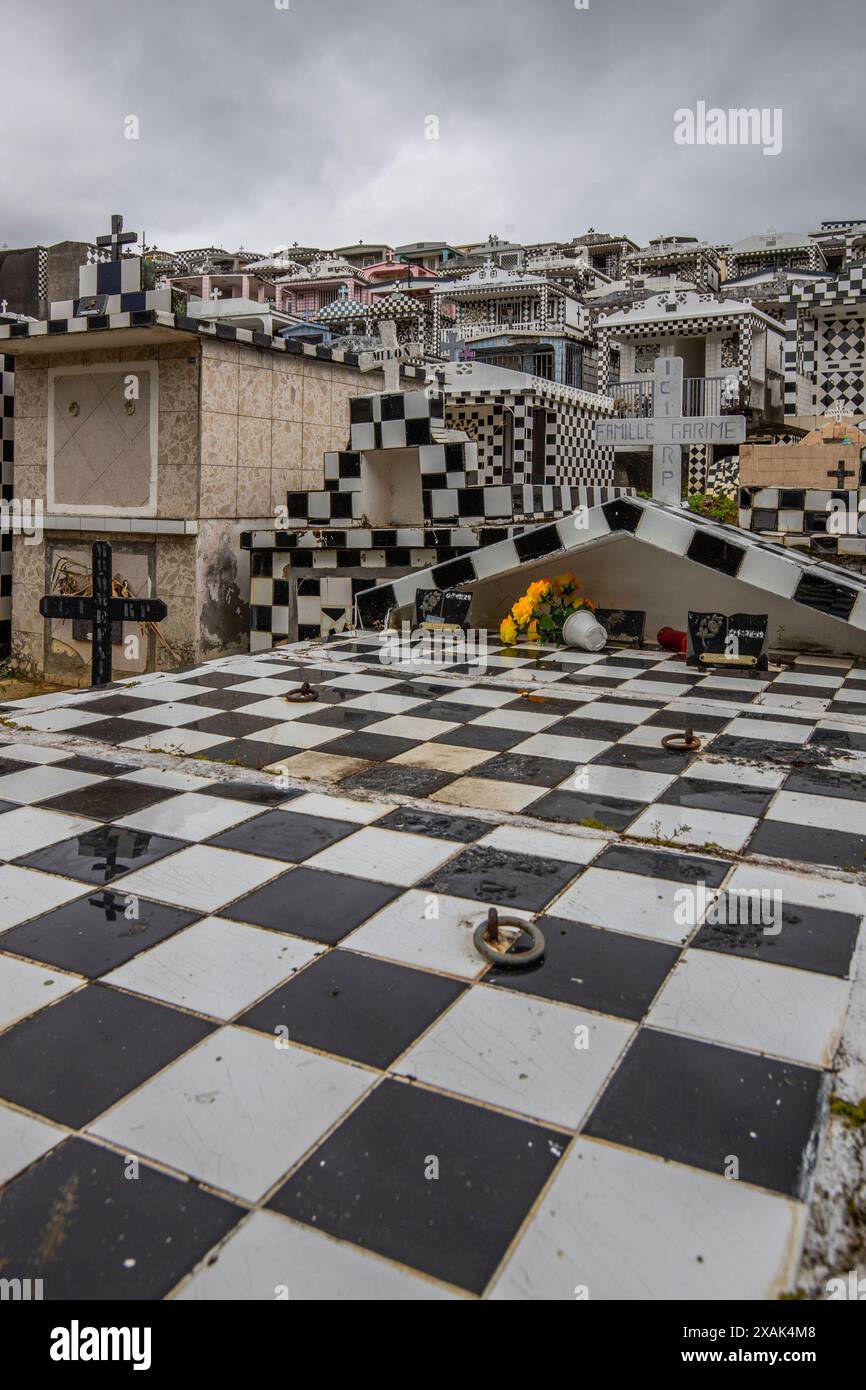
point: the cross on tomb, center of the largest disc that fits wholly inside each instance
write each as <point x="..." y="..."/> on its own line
<point x="117" y="238"/>
<point x="216" y="293"/>
<point x="3" y="303"/>
<point x="389" y="355"/>
<point x="101" y="608"/>
<point x="667" y="430"/>
<point x="840" y="473"/>
<point x="838" y="412"/>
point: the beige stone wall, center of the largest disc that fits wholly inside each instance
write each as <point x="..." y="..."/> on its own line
<point x="267" y="421"/>
<point x="796" y="465"/>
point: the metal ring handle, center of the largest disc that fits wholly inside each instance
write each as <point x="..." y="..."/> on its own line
<point x="303" y="694"/>
<point x="487" y="932"/>
<point x="685" y="742"/>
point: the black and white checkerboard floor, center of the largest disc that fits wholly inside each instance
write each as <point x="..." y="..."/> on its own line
<point x="247" y="1044"/>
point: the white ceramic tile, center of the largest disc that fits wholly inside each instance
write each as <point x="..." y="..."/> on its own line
<point x="178" y="741"/>
<point x="26" y="987"/>
<point x="268" y="1252"/>
<point x="280" y="710"/>
<point x="656" y="690"/>
<point x="711" y="683"/>
<point x="202" y="877"/>
<point x="430" y="930"/>
<point x="570" y="750"/>
<point x="477" y="695"/>
<point x="163" y="777"/>
<point x="37" y="783"/>
<point x="382" y="702"/>
<point x="297" y="735"/>
<point x="166" y="691"/>
<point x="337" y="807"/>
<point x="626" y="1226"/>
<point x="795" y="678"/>
<point x="264" y="685"/>
<point x="626" y="783"/>
<point x="611" y="712"/>
<point x="487" y="794"/>
<point x="522" y="721"/>
<point x="191" y="816"/>
<point x="767" y="729"/>
<point x="520" y="839"/>
<point x="22" y="1141"/>
<point x="820" y="812"/>
<point x="32" y="753"/>
<point x="689" y="826"/>
<point x="781" y="701"/>
<point x="737" y="773"/>
<point x="57" y="721"/>
<point x="626" y="902"/>
<point x="519" y="1053"/>
<point x="811" y="891"/>
<point x="26" y="893"/>
<point x="795" y="1014"/>
<point x="360" y="680"/>
<point x="852" y="693"/>
<point x="385" y="856"/>
<point x="215" y="967"/>
<point x="29" y="828"/>
<point x="168" y="715"/>
<point x="407" y="726"/>
<point x="236" y="1111"/>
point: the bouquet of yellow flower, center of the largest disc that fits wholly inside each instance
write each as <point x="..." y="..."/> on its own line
<point x="543" y="609"/>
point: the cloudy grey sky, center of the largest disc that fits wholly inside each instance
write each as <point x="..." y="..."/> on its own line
<point x="261" y="125"/>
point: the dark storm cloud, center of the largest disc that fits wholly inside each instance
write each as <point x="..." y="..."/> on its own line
<point x="261" y="125"/>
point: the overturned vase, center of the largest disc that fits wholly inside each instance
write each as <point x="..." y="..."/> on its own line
<point x="583" y="631"/>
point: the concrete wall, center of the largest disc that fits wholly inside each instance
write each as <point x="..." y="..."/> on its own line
<point x="797" y="465"/>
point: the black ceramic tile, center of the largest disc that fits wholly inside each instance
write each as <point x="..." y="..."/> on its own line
<point x="229" y="724"/>
<point x="443" y="827"/>
<point x="782" y="840"/>
<point x="372" y="747"/>
<point x="526" y="768"/>
<point x="119" y="704"/>
<point x="119" y="731"/>
<point x="578" y="726"/>
<point x="100" y="855"/>
<point x="809" y="938"/>
<point x="582" y="808"/>
<point x="100" y="767"/>
<point x="496" y="876"/>
<point x="108" y="800"/>
<point x="698" y="1103"/>
<point x="605" y="971"/>
<point x="397" y="780"/>
<point x="828" y="781"/>
<point x="312" y="903"/>
<point x="339" y="717"/>
<point x="287" y="835"/>
<point x="72" y="1060"/>
<point x="216" y="680"/>
<point x="839" y="740"/>
<point x="702" y="794"/>
<point x="241" y="752"/>
<point x="96" y="933"/>
<point x="659" y="863"/>
<point x="761" y="750"/>
<point x="76" y="1221"/>
<point x="639" y="758"/>
<point x="355" y="1006"/>
<point x="672" y="718"/>
<point x="261" y="793"/>
<point x="483" y="737"/>
<point x="369" y="1182"/>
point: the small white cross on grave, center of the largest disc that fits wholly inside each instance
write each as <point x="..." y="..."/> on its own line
<point x="3" y="303"/>
<point x="838" y="412"/>
<point x="389" y="355"/>
<point x="667" y="430"/>
<point x="216" y="294"/>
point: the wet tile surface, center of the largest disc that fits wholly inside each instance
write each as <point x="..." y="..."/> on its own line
<point x="269" y="987"/>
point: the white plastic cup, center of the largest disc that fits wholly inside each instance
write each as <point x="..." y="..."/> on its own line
<point x="581" y="630"/>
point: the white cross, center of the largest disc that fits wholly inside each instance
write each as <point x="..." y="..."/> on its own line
<point x="3" y="303"/>
<point x="215" y="293"/>
<point x="838" y="412"/>
<point x="389" y="355"/>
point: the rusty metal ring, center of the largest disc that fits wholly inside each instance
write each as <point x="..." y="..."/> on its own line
<point x="687" y="741"/>
<point x="488" y="931"/>
<point x="302" y="695"/>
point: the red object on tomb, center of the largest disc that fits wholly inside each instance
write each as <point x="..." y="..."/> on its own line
<point x="670" y="640"/>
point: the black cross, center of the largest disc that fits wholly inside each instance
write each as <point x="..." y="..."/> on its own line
<point x="101" y="608"/>
<point x="117" y="237"/>
<point x="840" y="473"/>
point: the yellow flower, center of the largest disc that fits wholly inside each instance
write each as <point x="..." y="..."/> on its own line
<point x="532" y="631"/>
<point x="507" y="631"/>
<point x="539" y="591"/>
<point x="522" y="611"/>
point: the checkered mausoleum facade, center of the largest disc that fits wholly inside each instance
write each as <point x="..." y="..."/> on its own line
<point x="825" y="345"/>
<point x="440" y="500"/>
<point x="7" y="444"/>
